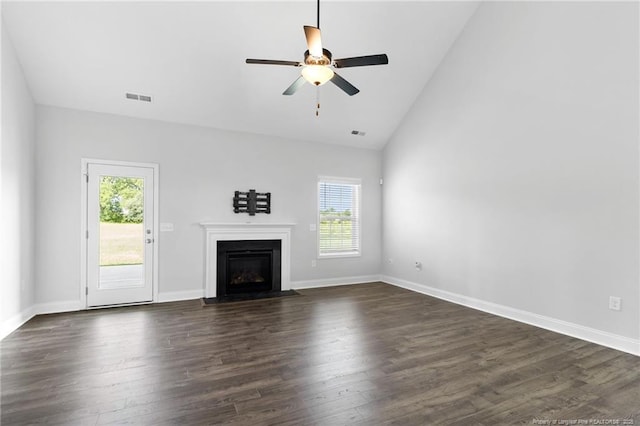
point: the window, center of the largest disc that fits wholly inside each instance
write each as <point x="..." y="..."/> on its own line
<point x="338" y="217"/>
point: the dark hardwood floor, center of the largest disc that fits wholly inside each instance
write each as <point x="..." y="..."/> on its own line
<point x="359" y="355"/>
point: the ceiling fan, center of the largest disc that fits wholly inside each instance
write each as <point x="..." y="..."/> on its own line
<point x="317" y="64"/>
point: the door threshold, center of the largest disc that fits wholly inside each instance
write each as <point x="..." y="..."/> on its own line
<point x="119" y="305"/>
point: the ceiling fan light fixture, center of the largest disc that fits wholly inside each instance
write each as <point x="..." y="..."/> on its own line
<point x="317" y="74"/>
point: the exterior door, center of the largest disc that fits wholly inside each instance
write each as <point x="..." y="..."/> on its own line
<point x="120" y="234"/>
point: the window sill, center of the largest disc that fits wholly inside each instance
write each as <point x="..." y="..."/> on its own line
<point x="339" y="255"/>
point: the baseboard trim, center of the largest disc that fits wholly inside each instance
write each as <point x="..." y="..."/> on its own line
<point x="578" y="331"/>
<point x="58" y="307"/>
<point x="589" y="334"/>
<point x="332" y="282"/>
<point x="15" y="322"/>
<point x="176" y="296"/>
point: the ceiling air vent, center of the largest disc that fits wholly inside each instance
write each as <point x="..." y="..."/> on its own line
<point x="136" y="97"/>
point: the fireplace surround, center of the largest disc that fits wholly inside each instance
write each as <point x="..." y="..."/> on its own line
<point x="215" y="232"/>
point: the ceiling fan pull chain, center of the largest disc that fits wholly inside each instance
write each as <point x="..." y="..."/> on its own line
<point x="317" y="101"/>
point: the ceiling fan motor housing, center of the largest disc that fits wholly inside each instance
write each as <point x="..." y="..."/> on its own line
<point x="325" y="59"/>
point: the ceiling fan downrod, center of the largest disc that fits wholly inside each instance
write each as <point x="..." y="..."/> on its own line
<point x="317" y="85"/>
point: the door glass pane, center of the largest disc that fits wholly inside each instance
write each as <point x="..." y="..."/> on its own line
<point x="121" y="232"/>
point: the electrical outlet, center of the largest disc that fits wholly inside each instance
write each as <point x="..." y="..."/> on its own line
<point x="314" y="263"/>
<point x="615" y="303"/>
<point x="312" y="227"/>
<point x="418" y="266"/>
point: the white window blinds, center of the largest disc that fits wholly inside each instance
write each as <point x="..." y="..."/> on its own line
<point x="338" y="217"/>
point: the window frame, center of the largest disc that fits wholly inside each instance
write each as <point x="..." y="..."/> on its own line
<point x="357" y="183"/>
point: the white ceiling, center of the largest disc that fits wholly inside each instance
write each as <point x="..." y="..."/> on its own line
<point x="189" y="56"/>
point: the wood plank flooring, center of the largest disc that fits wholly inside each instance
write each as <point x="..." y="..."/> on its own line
<point x="367" y="354"/>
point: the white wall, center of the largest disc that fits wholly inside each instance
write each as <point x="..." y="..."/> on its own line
<point x="514" y="178"/>
<point x="200" y="168"/>
<point x="17" y="194"/>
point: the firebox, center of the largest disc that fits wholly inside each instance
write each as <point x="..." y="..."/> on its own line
<point x="248" y="266"/>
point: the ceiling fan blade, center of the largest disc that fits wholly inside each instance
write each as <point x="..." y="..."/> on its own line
<point x="314" y="41"/>
<point x="273" y="62"/>
<point x="361" y="61"/>
<point x="294" y="86"/>
<point x="347" y="87"/>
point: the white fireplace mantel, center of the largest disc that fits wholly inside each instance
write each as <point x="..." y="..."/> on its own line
<point x="215" y="232"/>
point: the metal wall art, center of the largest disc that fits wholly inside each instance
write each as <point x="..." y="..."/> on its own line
<point x="252" y="202"/>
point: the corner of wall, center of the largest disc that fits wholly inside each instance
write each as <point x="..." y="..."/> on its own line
<point x="16" y="321"/>
<point x="17" y="192"/>
<point x="11" y="324"/>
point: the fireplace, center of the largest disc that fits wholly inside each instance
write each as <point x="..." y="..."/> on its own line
<point x="248" y="266"/>
<point x="219" y="232"/>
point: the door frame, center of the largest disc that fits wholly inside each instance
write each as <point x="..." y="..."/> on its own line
<point x="84" y="265"/>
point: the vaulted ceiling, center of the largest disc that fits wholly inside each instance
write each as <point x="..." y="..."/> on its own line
<point x="190" y="58"/>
